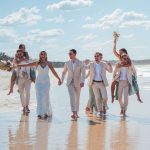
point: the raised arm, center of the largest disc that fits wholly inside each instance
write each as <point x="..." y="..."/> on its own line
<point x="28" y="64"/>
<point x="116" y="36"/>
<point x="54" y="72"/>
<point x="114" y="49"/>
<point x="64" y="72"/>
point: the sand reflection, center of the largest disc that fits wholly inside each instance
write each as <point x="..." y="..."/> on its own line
<point x="41" y="137"/>
<point x="96" y="133"/>
<point x="73" y="136"/>
<point x="121" y="136"/>
<point x="21" y="140"/>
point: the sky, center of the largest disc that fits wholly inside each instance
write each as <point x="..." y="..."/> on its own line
<point x="57" y="26"/>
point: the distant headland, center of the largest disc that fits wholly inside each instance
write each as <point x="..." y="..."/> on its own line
<point x="6" y="58"/>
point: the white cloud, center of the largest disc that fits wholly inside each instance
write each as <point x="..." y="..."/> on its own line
<point x="22" y="16"/>
<point x="38" y="35"/>
<point x="34" y="36"/>
<point x="86" y="37"/>
<point x="138" y="47"/>
<point x="88" y="18"/>
<point x="69" y="4"/>
<point x="95" y="45"/>
<point x="8" y="34"/>
<point x="71" y="20"/>
<point x="59" y="19"/>
<point x="121" y="19"/>
<point x="128" y="36"/>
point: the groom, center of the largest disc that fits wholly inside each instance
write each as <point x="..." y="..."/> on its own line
<point x="75" y="80"/>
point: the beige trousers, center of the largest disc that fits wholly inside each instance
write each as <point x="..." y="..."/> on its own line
<point x="99" y="88"/>
<point x="24" y="86"/>
<point x="74" y="93"/>
<point x="123" y="87"/>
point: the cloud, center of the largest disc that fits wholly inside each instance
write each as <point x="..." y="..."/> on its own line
<point x="71" y="20"/>
<point x="38" y="35"/>
<point x="86" y="37"/>
<point x="22" y="16"/>
<point x="70" y="4"/>
<point x="95" y="45"/>
<point x="33" y="36"/>
<point x="138" y="47"/>
<point x="121" y="19"/>
<point x="128" y="36"/>
<point x="8" y="34"/>
<point x="88" y="18"/>
<point x="59" y="19"/>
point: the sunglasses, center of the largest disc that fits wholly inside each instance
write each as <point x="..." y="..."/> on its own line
<point x="98" y="56"/>
<point x="19" y="54"/>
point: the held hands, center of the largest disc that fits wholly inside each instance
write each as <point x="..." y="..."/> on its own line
<point x="81" y="85"/>
<point x="59" y="82"/>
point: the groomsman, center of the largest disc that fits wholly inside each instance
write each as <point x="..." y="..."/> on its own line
<point x="98" y="81"/>
<point x="75" y="80"/>
<point x="24" y="82"/>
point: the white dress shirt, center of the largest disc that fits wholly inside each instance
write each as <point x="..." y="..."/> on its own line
<point x="98" y="71"/>
<point x="73" y="65"/>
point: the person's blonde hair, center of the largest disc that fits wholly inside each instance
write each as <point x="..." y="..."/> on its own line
<point x="40" y="60"/>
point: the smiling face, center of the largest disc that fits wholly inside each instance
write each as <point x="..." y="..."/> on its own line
<point x="98" y="57"/>
<point x="43" y="56"/>
<point x="19" y="54"/>
<point x="72" y="54"/>
<point x="124" y="59"/>
<point x="121" y="52"/>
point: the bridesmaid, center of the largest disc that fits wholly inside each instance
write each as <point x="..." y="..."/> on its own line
<point x="91" y="101"/>
<point x="127" y="63"/>
<point x="42" y="84"/>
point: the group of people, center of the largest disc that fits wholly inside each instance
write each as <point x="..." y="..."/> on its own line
<point x="124" y="80"/>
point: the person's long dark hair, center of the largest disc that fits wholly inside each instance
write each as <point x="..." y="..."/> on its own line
<point x="124" y="50"/>
<point x="40" y="60"/>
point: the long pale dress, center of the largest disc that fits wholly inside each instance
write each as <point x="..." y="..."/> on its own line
<point x="42" y="86"/>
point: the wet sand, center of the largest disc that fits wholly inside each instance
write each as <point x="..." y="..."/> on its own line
<point x="111" y="132"/>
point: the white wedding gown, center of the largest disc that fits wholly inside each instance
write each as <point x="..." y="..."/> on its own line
<point x="42" y="86"/>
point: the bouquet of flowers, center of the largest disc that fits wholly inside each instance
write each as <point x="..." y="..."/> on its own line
<point x="6" y="65"/>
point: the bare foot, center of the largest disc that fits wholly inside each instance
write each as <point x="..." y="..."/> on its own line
<point x="140" y="100"/>
<point x="74" y="117"/>
<point x="121" y="112"/>
<point x="11" y="91"/>
<point x="124" y="113"/>
<point x="39" y="117"/>
<point x="104" y="109"/>
<point x="87" y="109"/>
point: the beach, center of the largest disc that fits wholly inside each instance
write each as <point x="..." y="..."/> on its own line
<point x="110" y="132"/>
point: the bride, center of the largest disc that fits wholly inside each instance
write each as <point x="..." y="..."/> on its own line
<point x="42" y="84"/>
